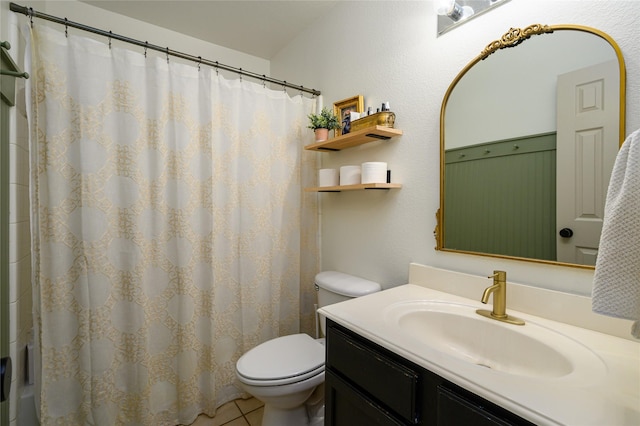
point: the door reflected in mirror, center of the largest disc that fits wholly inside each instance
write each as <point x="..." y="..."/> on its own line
<point x="529" y="136"/>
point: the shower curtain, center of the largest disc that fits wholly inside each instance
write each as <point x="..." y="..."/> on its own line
<point x="170" y="231"/>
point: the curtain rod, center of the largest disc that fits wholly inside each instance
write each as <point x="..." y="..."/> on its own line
<point x="28" y="11"/>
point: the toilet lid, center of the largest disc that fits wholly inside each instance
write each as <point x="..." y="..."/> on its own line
<point x="282" y="357"/>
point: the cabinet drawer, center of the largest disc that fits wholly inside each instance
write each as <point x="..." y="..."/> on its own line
<point x="459" y="407"/>
<point x="379" y="376"/>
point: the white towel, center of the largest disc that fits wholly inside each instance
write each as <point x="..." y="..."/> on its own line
<point x="616" y="285"/>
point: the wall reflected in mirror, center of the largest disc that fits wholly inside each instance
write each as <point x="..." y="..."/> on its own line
<point x="529" y="136"/>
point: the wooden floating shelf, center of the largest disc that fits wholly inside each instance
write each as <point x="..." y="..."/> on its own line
<point x="357" y="187"/>
<point x="359" y="137"/>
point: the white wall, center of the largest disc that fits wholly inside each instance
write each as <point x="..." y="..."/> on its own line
<point x="388" y="51"/>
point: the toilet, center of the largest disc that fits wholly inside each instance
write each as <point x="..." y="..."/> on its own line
<point x="284" y="372"/>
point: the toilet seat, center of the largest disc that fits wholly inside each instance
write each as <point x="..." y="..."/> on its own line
<point x="281" y="361"/>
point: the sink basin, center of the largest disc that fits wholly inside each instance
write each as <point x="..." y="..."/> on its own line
<point x="455" y="329"/>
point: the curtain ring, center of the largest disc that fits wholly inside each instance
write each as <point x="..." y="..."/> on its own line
<point x="199" y="62"/>
<point x="284" y="86"/>
<point x="301" y="90"/>
<point x="264" y="81"/>
<point x="31" y="16"/>
<point x="240" y="74"/>
<point x="66" y="28"/>
<point x="110" y="34"/>
<point x="167" y="54"/>
<point x="217" y="70"/>
<point x="146" y="43"/>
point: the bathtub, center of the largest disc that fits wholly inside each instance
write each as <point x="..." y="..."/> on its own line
<point x="27" y="409"/>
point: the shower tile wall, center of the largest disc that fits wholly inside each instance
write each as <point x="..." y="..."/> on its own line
<point x="20" y="310"/>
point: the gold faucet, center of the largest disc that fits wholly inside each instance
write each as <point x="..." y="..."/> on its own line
<point x="499" y="290"/>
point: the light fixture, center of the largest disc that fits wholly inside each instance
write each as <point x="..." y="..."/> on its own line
<point x="453" y="10"/>
<point x="452" y="13"/>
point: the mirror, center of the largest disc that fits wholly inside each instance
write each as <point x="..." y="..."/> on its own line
<point x="529" y="131"/>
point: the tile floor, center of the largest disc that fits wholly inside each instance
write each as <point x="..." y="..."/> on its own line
<point x="241" y="412"/>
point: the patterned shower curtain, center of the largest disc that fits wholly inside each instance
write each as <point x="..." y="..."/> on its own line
<point x="170" y="231"/>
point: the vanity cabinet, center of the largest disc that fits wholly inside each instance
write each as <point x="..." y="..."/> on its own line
<point x="366" y="384"/>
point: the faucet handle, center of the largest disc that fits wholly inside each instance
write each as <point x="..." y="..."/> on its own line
<point x="499" y="275"/>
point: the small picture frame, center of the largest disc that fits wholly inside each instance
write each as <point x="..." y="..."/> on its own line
<point x="342" y="109"/>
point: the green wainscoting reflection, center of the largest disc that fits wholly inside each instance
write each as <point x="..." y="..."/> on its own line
<point x="510" y="210"/>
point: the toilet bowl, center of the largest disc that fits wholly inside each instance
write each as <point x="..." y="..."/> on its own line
<point x="284" y="372"/>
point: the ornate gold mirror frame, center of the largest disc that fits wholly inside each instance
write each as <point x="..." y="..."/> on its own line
<point x="512" y="38"/>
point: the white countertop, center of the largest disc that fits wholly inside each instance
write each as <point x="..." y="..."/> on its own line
<point x="608" y="397"/>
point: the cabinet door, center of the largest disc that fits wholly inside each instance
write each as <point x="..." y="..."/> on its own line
<point x="382" y="377"/>
<point x="346" y="406"/>
<point x="457" y="409"/>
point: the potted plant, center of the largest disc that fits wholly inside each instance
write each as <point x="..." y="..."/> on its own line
<point x="322" y="123"/>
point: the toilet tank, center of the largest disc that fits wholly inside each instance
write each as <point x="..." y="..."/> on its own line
<point x="334" y="287"/>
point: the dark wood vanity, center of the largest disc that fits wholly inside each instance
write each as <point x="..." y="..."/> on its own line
<point x="366" y="384"/>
